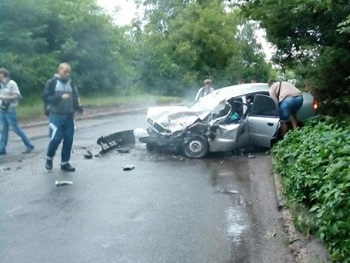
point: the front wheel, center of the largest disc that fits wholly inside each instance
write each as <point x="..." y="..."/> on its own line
<point x="150" y="147"/>
<point x="196" y="147"/>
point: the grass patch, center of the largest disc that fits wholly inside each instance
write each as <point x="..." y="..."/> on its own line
<point x="31" y="109"/>
<point x="145" y="100"/>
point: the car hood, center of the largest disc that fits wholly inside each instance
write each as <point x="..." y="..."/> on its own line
<point x="176" y="118"/>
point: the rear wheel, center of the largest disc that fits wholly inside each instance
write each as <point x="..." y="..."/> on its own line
<point x="196" y="147"/>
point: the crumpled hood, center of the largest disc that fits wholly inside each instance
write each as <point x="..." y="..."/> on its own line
<point x="175" y="118"/>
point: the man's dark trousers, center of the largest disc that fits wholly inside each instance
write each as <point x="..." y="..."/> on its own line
<point x="61" y="128"/>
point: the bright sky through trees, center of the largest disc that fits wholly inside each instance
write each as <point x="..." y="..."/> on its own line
<point x="127" y="9"/>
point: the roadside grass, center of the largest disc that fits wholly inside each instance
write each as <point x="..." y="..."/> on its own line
<point x="141" y="100"/>
<point x="31" y="109"/>
<point x="313" y="163"/>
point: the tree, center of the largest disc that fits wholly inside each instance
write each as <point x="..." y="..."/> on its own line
<point x="252" y="55"/>
<point x="308" y="41"/>
<point x="184" y="42"/>
<point x="36" y="35"/>
<point x="22" y="45"/>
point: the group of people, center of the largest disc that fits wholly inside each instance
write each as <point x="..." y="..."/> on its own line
<point x="61" y="100"/>
<point x="287" y="96"/>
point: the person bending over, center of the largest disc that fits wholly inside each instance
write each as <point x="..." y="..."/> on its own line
<point x="289" y="99"/>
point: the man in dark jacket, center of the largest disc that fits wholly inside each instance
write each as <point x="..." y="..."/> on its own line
<point x="61" y="99"/>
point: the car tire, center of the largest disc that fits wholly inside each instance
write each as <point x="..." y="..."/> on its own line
<point x="150" y="147"/>
<point x="196" y="147"/>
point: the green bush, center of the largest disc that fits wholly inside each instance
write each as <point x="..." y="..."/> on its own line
<point x="314" y="163"/>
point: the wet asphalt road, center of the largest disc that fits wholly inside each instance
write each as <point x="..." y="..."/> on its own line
<point x="169" y="209"/>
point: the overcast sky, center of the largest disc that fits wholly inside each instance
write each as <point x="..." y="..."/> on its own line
<point x="127" y="9"/>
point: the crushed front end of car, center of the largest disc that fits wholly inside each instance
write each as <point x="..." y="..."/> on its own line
<point x="175" y="127"/>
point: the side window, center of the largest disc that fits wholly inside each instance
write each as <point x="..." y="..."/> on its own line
<point x="250" y="97"/>
<point x="236" y="110"/>
<point x="264" y="106"/>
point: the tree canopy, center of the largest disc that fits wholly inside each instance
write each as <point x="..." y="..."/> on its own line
<point x="312" y="37"/>
<point x="185" y="42"/>
<point x="36" y="35"/>
<point x="173" y="48"/>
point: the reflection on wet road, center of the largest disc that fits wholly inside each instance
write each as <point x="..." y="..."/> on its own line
<point x="168" y="209"/>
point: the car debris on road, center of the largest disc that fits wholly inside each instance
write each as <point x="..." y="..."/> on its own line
<point x="88" y="154"/>
<point x="3" y="169"/>
<point x="128" y="167"/>
<point x="119" y="140"/>
<point x="62" y="183"/>
<point x="251" y="156"/>
<point x="227" y="191"/>
<point x="123" y="150"/>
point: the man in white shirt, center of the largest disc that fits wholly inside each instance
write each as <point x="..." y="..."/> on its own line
<point x="204" y="91"/>
<point x="9" y="97"/>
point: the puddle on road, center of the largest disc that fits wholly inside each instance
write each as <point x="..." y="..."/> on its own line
<point x="233" y="170"/>
<point x="232" y="176"/>
<point x="236" y="225"/>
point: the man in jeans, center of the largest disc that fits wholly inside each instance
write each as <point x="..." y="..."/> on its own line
<point x="9" y="97"/>
<point x="61" y="99"/>
<point x="289" y="99"/>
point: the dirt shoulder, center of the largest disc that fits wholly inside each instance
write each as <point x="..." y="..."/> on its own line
<point x="306" y="249"/>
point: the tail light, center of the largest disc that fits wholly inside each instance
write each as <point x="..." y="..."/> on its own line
<point x="315" y="105"/>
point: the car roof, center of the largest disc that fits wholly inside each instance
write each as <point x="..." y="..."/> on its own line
<point x="212" y="100"/>
<point x="240" y="89"/>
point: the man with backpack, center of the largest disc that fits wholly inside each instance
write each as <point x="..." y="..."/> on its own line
<point x="9" y="97"/>
<point x="61" y="99"/>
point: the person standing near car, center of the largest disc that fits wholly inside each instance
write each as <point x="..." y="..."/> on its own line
<point x="289" y="99"/>
<point x="9" y="99"/>
<point x="204" y="91"/>
<point x="61" y="98"/>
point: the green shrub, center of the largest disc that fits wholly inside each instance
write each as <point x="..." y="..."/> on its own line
<point x="314" y="163"/>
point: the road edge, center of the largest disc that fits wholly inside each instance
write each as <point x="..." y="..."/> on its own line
<point x="93" y="116"/>
<point x="304" y="249"/>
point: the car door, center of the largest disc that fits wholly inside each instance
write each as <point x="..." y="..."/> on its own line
<point x="263" y="121"/>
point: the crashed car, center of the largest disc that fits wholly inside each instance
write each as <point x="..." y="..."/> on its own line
<point x="226" y="120"/>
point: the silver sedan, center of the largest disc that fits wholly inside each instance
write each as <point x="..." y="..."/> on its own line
<point x="226" y="120"/>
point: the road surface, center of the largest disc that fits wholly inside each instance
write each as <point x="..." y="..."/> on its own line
<point x="169" y="209"/>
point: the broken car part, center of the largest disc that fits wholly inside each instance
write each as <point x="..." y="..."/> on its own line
<point x="128" y="167"/>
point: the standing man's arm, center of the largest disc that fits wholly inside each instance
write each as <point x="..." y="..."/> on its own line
<point x="198" y="96"/>
<point x="76" y="100"/>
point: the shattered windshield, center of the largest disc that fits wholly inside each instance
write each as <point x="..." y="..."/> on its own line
<point x="210" y="103"/>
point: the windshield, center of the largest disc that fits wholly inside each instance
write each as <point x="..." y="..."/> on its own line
<point x="207" y="103"/>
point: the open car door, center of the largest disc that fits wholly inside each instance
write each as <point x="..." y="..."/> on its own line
<point x="263" y="121"/>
